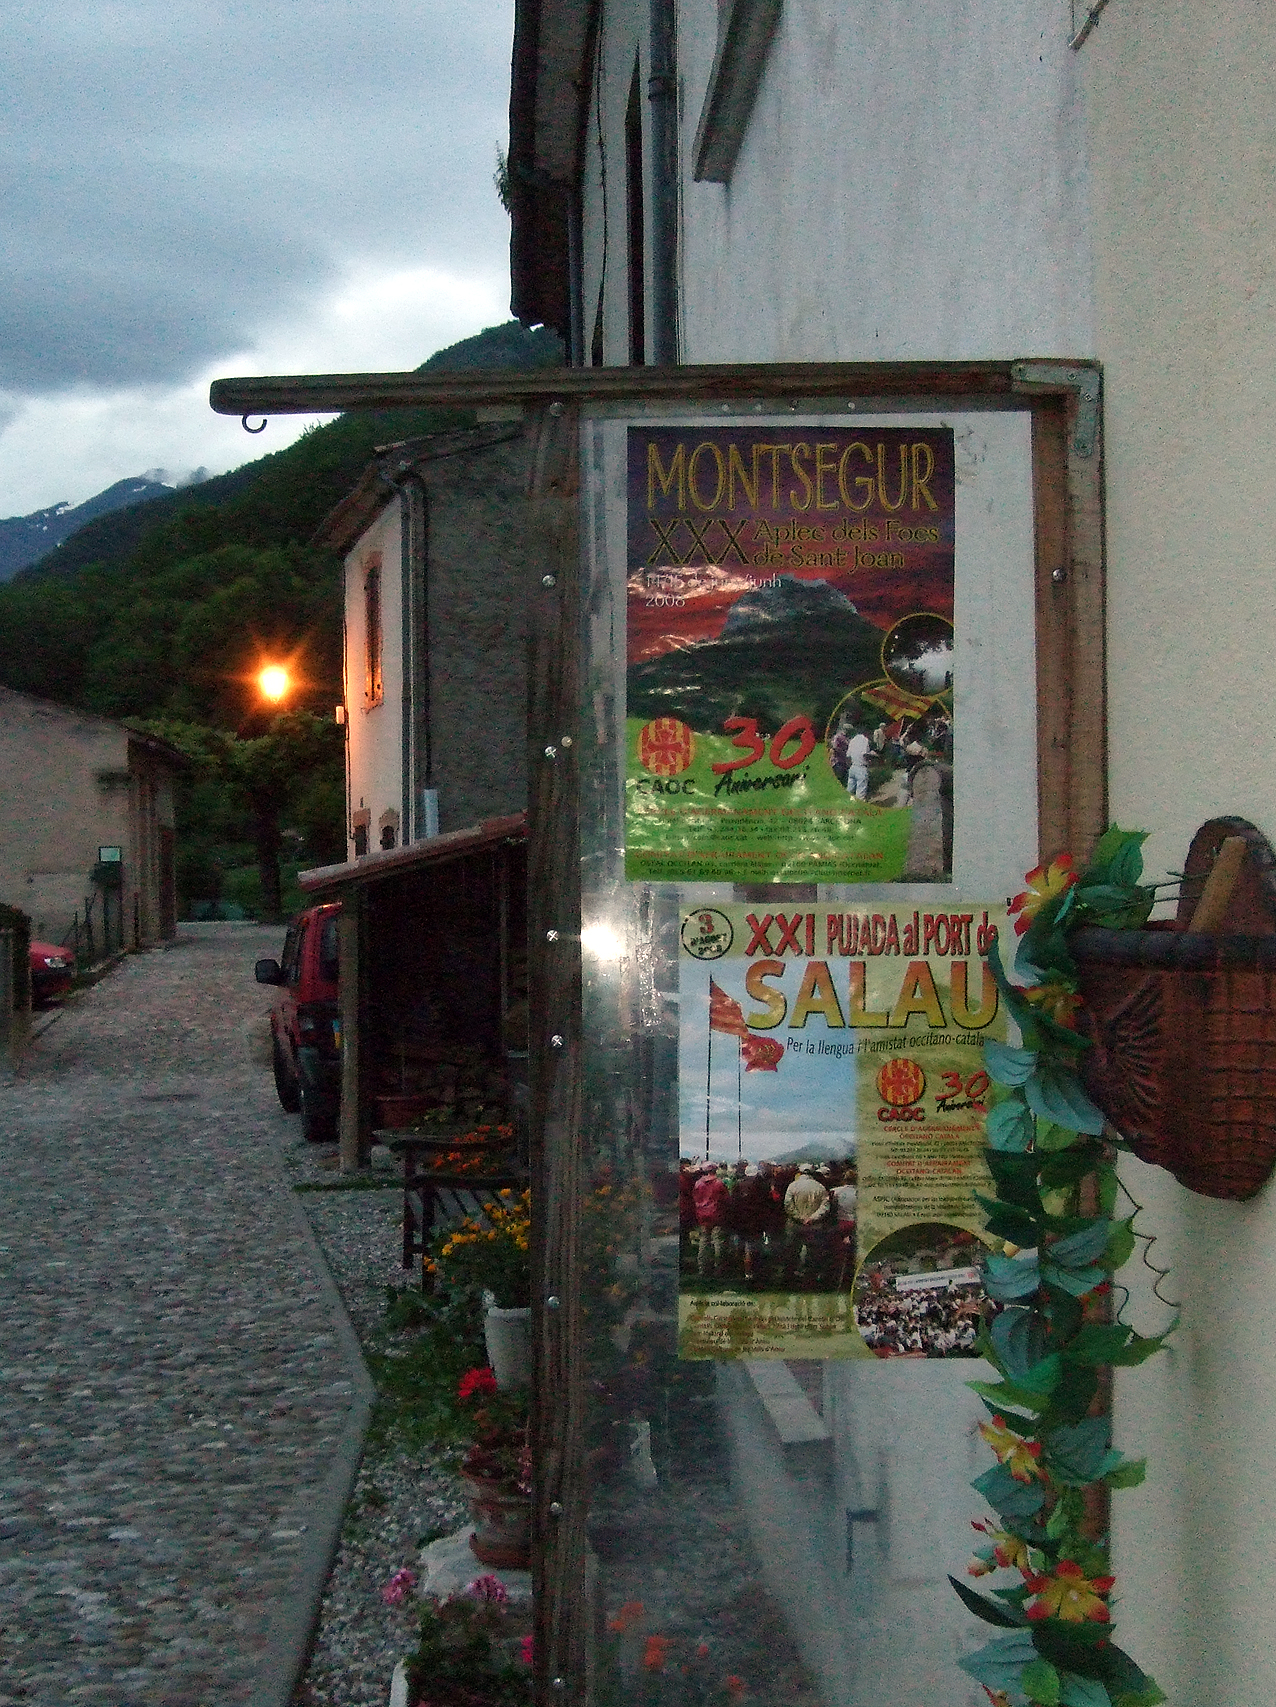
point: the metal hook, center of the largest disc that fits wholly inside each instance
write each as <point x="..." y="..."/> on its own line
<point x="244" y="424"/>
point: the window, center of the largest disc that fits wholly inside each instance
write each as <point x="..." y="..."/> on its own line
<point x="372" y="691"/>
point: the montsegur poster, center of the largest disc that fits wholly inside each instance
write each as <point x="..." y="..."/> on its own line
<point x="790" y="710"/>
<point x="833" y="1100"/>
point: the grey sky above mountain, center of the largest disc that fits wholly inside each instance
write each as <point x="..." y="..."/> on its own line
<point x="225" y="187"/>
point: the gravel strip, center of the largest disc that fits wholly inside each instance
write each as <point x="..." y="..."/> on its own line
<point x="399" y="1502"/>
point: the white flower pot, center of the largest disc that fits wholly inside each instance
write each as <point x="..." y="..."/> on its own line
<point x="508" y="1334"/>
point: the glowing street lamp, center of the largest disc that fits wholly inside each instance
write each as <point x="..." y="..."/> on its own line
<point x="273" y="683"/>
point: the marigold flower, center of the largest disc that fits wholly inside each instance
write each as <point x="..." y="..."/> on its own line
<point x="476" y="1381"/>
<point x="628" y="1614"/>
<point x="1045" y="884"/>
<point x="1069" y="1594"/>
<point x="1019" y="1456"/>
<point x="655" y="1652"/>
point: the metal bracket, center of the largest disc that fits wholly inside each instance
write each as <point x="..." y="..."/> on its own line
<point x="1085" y="381"/>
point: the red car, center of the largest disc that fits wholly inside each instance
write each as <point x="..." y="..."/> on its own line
<point x="305" y="1022"/>
<point x="52" y="971"/>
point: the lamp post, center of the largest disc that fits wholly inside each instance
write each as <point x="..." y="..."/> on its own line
<point x="264" y="775"/>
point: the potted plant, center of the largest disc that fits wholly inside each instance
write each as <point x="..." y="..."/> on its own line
<point x="497" y="1472"/>
<point x="487" y="1255"/>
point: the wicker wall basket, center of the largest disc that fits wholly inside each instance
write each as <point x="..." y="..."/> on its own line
<point x="1183" y="1026"/>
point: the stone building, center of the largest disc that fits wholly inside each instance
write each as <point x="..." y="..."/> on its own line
<point x="88" y="840"/>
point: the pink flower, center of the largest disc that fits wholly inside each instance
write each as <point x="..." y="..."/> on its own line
<point x="476" y="1381"/>
<point x="526" y="1650"/>
<point x="398" y="1588"/>
<point x="490" y="1589"/>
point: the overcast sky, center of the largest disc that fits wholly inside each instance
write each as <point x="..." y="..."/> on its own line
<point x="232" y="187"/>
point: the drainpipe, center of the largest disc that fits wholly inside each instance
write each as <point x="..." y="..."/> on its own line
<point x="417" y="758"/>
<point x="662" y="92"/>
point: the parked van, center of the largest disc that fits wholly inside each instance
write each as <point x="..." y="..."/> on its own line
<point x="305" y="1022"/>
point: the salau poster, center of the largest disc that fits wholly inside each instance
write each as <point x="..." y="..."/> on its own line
<point x="790" y="707"/>
<point x="832" y="1108"/>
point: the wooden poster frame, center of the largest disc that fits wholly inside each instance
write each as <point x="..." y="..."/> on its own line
<point x="1063" y="400"/>
<point x="1071" y="764"/>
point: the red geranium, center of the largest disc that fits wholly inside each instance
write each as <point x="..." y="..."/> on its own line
<point x="476" y="1381"/>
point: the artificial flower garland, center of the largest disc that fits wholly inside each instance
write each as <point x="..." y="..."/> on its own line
<point x="1050" y="1153"/>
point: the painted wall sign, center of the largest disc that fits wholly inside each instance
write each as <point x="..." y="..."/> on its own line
<point x="833" y="1101"/>
<point x="790" y="602"/>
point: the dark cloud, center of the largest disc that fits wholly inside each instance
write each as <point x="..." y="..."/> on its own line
<point x="176" y="177"/>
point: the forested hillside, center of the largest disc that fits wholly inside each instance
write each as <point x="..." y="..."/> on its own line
<point x="164" y="612"/>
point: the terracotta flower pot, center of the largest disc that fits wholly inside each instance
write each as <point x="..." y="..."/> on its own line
<point x="502" y="1519"/>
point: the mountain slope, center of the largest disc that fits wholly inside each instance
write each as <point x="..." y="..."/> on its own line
<point x="285" y="495"/>
<point x="25" y="539"/>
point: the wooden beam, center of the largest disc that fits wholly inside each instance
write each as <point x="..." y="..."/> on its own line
<point x="791" y="383"/>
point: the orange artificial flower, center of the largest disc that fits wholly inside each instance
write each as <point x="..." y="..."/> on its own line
<point x="1045" y="883"/>
<point x="998" y="1697"/>
<point x="1056" y="1001"/>
<point x="628" y="1614"/>
<point x="654" y="1653"/>
<point x="1019" y="1456"/>
<point x="1009" y="1551"/>
<point x="1071" y="1595"/>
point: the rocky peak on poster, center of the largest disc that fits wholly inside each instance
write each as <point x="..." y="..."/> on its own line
<point x="790" y="707"/>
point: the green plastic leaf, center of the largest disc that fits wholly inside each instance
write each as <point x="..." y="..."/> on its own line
<point x="1058" y="1523"/>
<point x="1077" y="1281"/>
<point x="1066" y="1167"/>
<point x="1084" y="1246"/>
<point x="1040" y="1680"/>
<point x="1106" y="1178"/>
<point x="1099" y="1343"/>
<point x="999" y="1663"/>
<point x="1051" y="1137"/>
<point x="1012" y="995"/>
<point x="1019" y="1339"/>
<point x="1056" y="1094"/>
<point x="1117" y="857"/>
<point x="1140" y="1349"/>
<point x="1006" y="1495"/>
<point x="1072" y="1397"/>
<point x="1077" y="1691"/>
<point x="1008" y="1065"/>
<point x="1127" y="1685"/>
<point x="1010" y="1125"/>
<point x="1131" y="1473"/>
<point x="1009" y="1221"/>
<point x="1120" y="1245"/>
<point x="1007" y="1278"/>
<point x="1016" y="1178"/>
<point x="1076" y="1453"/>
<point x="988" y="1610"/>
<point x="1004" y="1393"/>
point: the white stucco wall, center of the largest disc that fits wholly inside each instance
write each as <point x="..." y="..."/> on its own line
<point x="375" y="732"/>
<point x="1184" y="152"/>
<point x="911" y="187"/>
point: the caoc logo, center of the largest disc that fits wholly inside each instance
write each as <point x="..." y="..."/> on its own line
<point x="901" y="1084"/>
<point x="666" y="746"/>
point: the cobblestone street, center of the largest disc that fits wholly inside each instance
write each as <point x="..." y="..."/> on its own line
<point x="181" y="1399"/>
